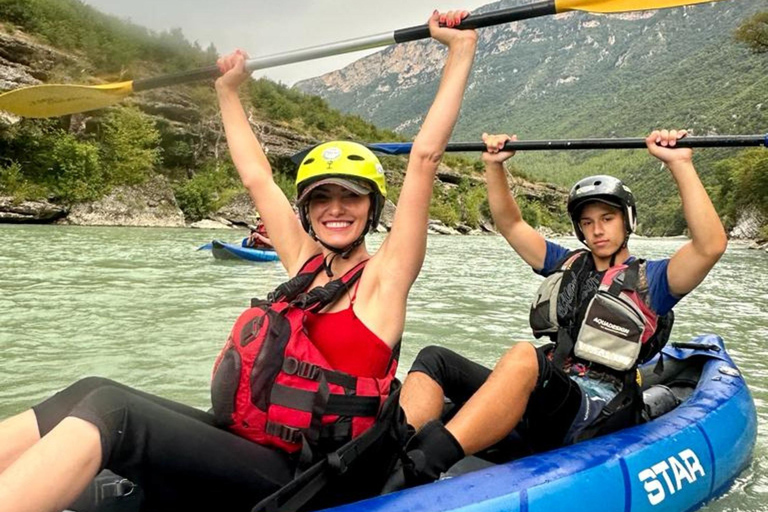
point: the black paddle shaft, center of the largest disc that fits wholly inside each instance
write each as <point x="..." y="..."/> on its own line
<point x="625" y="143"/>
<point x="400" y="36"/>
<point x="523" y="12"/>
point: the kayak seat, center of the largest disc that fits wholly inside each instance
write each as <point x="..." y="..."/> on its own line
<point x="662" y="392"/>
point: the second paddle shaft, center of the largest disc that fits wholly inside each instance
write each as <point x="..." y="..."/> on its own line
<point x="397" y="148"/>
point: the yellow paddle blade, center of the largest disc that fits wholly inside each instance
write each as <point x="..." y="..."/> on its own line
<point x="60" y="100"/>
<point x="608" y="6"/>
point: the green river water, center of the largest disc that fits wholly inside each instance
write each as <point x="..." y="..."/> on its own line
<point x="141" y="306"/>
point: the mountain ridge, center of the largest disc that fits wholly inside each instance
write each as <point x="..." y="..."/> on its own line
<point x="580" y="75"/>
<point x="534" y="51"/>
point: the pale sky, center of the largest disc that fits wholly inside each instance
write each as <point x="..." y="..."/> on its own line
<point x="263" y="27"/>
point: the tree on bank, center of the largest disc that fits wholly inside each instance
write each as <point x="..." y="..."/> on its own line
<point x="743" y="179"/>
<point x="754" y="32"/>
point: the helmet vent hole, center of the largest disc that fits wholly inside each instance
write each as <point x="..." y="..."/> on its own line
<point x="598" y="183"/>
<point x="356" y="158"/>
<point x="309" y="161"/>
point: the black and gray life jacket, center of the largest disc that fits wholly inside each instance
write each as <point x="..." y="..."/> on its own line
<point x="599" y="317"/>
<point x="603" y="319"/>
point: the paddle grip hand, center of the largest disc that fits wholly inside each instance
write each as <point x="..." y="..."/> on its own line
<point x="496" y="150"/>
<point x="233" y="70"/>
<point x="482" y="20"/>
<point x="662" y="144"/>
<point x="442" y="28"/>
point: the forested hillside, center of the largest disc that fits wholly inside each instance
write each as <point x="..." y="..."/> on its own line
<point x="582" y="75"/>
<point x="174" y="133"/>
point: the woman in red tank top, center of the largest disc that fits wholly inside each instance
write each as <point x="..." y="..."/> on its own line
<point x="348" y="344"/>
<point x="169" y="448"/>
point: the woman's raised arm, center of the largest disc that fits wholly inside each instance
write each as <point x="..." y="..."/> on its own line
<point x="292" y="244"/>
<point x="401" y="255"/>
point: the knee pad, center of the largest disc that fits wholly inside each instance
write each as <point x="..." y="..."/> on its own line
<point x="107" y="408"/>
<point x="51" y="411"/>
<point x="87" y="385"/>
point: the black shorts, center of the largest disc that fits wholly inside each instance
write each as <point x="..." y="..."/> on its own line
<point x="552" y="407"/>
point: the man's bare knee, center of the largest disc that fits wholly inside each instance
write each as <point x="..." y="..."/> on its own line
<point x="520" y="363"/>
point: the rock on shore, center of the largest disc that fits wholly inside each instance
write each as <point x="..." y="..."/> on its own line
<point x="151" y="204"/>
<point x="36" y="212"/>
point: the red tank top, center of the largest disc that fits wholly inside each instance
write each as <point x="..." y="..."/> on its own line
<point x="347" y="344"/>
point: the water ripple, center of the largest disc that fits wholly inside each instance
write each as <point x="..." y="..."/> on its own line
<point x="143" y="307"/>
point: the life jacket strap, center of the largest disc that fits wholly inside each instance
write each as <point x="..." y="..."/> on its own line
<point x="390" y="427"/>
<point x="332" y="431"/>
<point x="626" y="280"/>
<point x="310" y="371"/>
<point x="300" y="282"/>
<point x="625" y="397"/>
<point x="317" y="298"/>
<point x="338" y="405"/>
<point x="563" y="347"/>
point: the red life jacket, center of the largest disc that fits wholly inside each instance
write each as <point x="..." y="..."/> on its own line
<point x="273" y="386"/>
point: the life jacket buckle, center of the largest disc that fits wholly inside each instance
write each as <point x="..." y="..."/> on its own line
<point x="308" y="370"/>
<point x="337" y="463"/>
<point x="284" y="432"/>
<point x="119" y="489"/>
<point x="290" y="365"/>
<point x="303" y="369"/>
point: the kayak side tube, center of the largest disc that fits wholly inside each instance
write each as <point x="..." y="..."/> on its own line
<point x="674" y="463"/>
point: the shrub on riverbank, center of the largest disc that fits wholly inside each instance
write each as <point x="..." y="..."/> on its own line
<point x="130" y="143"/>
<point x="109" y="43"/>
<point x="41" y="160"/>
<point x="742" y="183"/>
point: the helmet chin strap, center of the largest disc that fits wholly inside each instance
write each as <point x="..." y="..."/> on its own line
<point x="623" y="245"/>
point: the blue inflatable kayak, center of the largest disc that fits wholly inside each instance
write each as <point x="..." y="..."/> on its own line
<point x="674" y="463"/>
<point x="688" y="455"/>
<point x="224" y="251"/>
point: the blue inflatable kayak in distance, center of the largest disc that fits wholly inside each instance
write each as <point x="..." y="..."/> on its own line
<point x="674" y="463"/>
<point x="224" y="251"/>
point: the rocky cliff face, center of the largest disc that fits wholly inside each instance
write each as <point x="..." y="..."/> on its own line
<point x="25" y="62"/>
<point x="151" y="204"/>
<point x="29" y="212"/>
<point x="580" y="75"/>
<point x="748" y="226"/>
<point x="558" y="75"/>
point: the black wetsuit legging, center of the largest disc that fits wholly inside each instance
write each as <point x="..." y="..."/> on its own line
<point x="552" y="407"/>
<point x="173" y="451"/>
